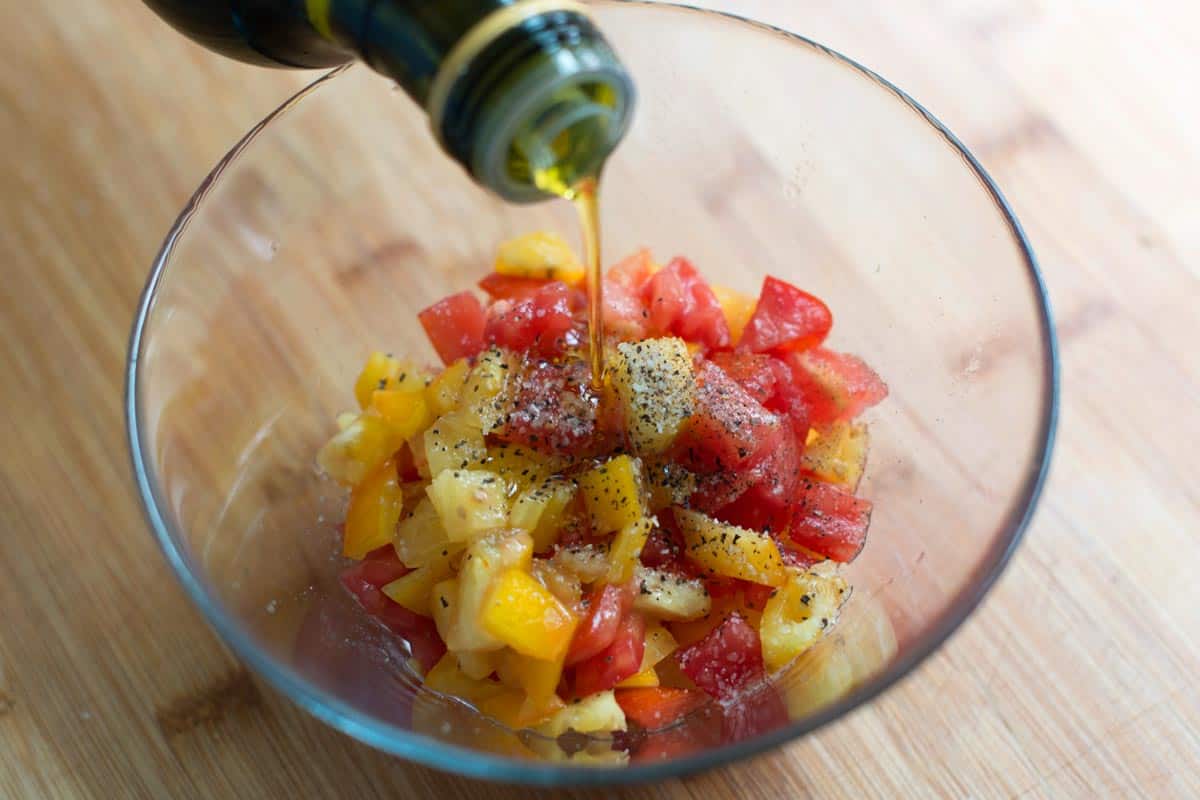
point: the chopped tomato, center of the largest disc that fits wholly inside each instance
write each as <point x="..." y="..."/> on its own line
<point x="756" y="595"/>
<point x="510" y="287"/>
<point x="720" y="588"/>
<point x="830" y="521"/>
<point x="752" y="371"/>
<point x="793" y="555"/>
<point x="754" y="714"/>
<point x="554" y="408"/>
<point x="836" y="386"/>
<point x="632" y="273"/>
<point x="365" y="581"/>
<point x="765" y="504"/>
<point x="542" y="322"/>
<point x="625" y="315"/>
<point x="665" y="545"/>
<point x="657" y="707"/>
<point x="680" y="302"/>
<point x="730" y="429"/>
<point x="621" y="659"/>
<point x="789" y="398"/>
<point x="606" y="607"/>
<point x="727" y="660"/>
<point x="786" y="318"/>
<point x="515" y="287"/>
<point x="455" y="326"/>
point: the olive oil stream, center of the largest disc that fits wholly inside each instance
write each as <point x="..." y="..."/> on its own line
<point x="584" y="194"/>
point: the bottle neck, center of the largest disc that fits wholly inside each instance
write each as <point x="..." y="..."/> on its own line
<point x="527" y="96"/>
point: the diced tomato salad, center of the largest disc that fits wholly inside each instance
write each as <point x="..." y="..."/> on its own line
<point x="616" y="557"/>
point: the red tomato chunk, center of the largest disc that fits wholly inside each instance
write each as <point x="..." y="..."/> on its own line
<point x="786" y="318"/>
<point x="680" y="302"/>
<point x="659" y="706"/>
<point x="606" y="607"/>
<point x="726" y="661"/>
<point x="621" y="659"/>
<point x="730" y="430"/>
<point x="834" y="386"/>
<point x="541" y="323"/>
<point x="554" y="408"/>
<point x="830" y="521"/>
<point x="455" y="326"/>
<point x="365" y="581"/>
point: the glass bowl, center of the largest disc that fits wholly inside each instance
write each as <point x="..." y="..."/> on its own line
<point x="333" y="222"/>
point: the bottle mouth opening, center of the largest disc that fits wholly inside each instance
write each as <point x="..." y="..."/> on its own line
<point x="554" y="126"/>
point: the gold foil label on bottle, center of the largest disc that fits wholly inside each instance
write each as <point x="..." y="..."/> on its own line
<point x="474" y="41"/>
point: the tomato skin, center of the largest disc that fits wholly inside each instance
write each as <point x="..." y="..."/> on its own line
<point x="727" y="660"/>
<point x="756" y="595"/>
<point x="554" y="409"/>
<point x="621" y="659"/>
<point x="665" y="546"/>
<point x="754" y="372"/>
<point x="625" y="315"/>
<point x="659" y="706"/>
<point x="455" y="326"/>
<point x="766" y="502"/>
<point x="365" y="581"/>
<point x="730" y="430"/>
<point x="786" y="318"/>
<point x="514" y="287"/>
<point x="543" y="322"/>
<point x="798" y="559"/>
<point x="830" y="521"/>
<point x="790" y="398"/>
<point x="680" y="302"/>
<point x="607" y="606"/>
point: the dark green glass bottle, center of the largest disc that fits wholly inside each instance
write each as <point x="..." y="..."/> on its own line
<point x="526" y="94"/>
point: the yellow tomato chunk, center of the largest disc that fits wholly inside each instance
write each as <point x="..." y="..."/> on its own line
<point x="470" y="502"/>
<point x="447" y="678"/>
<point x="524" y="615"/>
<point x="359" y="448"/>
<point x="405" y="411"/>
<point x="612" y="493"/>
<point x="729" y="550"/>
<point x="540" y="509"/>
<point x="485" y="561"/>
<point x="642" y="679"/>
<point x="375" y="506"/>
<point x="626" y="547"/>
<point x="444" y="391"/>
<point x="539" y="255"/>
<point x="414" y="590"/>
<point x="799" y="613"/>
<point x="383" y="372"/>
<point x="837" y="454"/>
<point x="655" y="384"/>
<point x="738" y="308"/>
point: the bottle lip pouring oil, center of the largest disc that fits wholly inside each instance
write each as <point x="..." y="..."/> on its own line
<point x="527" y="95"/>
<point x="532" y="91"/>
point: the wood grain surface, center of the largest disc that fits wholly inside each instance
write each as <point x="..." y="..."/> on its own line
<point x="1077" y="678"/>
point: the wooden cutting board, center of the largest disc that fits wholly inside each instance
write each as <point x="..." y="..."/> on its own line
<point x="1078" y="678"/>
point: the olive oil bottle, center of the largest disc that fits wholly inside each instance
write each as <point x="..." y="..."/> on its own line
<point x="511" y="87"/>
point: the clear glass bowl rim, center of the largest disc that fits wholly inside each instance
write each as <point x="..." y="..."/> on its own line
<point x="471" y="763"/>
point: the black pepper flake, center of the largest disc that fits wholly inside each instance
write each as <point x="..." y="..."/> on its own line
<point x="444" y="603"/>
